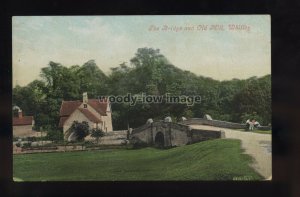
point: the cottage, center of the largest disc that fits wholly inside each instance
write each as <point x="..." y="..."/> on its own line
<point x="22" y="125"/>
<point x="94" y="111"/>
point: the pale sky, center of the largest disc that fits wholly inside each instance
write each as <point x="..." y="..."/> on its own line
<point x="111" y="40"/>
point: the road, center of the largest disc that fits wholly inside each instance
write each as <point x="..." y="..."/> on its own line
<point x="257" y="145"/>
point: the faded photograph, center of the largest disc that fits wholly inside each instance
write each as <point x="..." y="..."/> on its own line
<point x="126" y="98"/>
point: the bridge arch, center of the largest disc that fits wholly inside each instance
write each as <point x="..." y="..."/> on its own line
<point x="159" y="139"/>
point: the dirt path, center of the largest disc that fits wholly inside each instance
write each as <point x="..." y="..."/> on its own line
<point x="259" y="146"/>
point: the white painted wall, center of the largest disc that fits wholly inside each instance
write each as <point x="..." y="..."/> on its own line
<point x="106" y="125"/>
<point x="107" y="120"/>
<point x="23" y="130"/>
<point x="78" y="116"/>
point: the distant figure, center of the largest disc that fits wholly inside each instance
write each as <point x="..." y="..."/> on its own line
<point x="251" y="127"/>
<point x="183" y="118"/>
<point x="149" y="121"/>
<point x="248" y="125"/>
<point x="168" y="119"/>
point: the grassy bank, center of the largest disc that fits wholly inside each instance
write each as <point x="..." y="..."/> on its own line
<point x="220" y="159"/>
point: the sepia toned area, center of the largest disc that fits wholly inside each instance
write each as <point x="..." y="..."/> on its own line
<point x="142" y="98"/>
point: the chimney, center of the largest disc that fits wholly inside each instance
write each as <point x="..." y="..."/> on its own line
<point x="85" y="99"/>
<point x="20" y="113"/>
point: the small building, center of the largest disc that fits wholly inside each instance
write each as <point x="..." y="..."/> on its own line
<point x="22" y="125"/>
<point x="96" y="112"/>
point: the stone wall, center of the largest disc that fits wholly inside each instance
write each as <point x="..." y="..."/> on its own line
<point x="202" y="135"/>
<point x="180" y="135"/>
<point x="143" y="133"/>
<point x="264" y="128"/>
<point x="114" y="138"/>
<point x="215" y="123"/>
<point x="174" y="134"/>
<point x="25" y="131"/>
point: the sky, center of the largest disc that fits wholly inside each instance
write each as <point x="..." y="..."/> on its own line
<point x="111" y="40"/>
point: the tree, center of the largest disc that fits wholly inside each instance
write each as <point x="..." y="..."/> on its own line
<point x="61" y="82"/>
<point x="254" y="99"/>
<point x="97" y="134"/>
<point x="42" y="98"/>
<point x="80" y="130"/>
<point x="92" y="79"/>
<point x="149" y="72"/>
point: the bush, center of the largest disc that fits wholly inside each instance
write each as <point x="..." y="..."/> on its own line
<point x="55" y="136"/>
<point x="81" y="130"/>
<point x="97" y="134"/>
<point x="32" y="139"/>
<point x="137" y="143"/>
<point x="15" y="139"/>
<point x="27" y="145"/>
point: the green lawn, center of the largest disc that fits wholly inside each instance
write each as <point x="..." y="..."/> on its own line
<point x="219" y="159"/>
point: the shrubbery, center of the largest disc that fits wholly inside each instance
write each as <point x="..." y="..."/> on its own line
<point x="81" y="130"/>
<point x="15" y="139"/>
<point x="27" y="145"/>
<point x="55" y="136"/>
<point x="137" y="143"/>
<point x="97" y="134"/>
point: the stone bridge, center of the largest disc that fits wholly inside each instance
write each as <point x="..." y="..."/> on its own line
<point x="168" y="134"/>
<point x="218" y="123"/>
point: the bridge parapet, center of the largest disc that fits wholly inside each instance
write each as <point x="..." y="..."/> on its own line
<point x="199" y="135"/>
<point x="180" y="126"/>
<point x="215" y="123"/>
<point x="141" y="128"/>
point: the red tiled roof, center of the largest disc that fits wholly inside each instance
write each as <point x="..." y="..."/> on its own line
<point x="89" y="115"/>
<point x="62" y="121"/>
<point x="99" y="105"/>
<point x="68" y="107"/>
<point x="25" y="120"/>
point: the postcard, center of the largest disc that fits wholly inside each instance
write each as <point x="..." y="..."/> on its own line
<point x="142" y="98"/>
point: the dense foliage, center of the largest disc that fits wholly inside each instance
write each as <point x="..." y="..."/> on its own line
<point x="80" y="129"/>
<point x="151" y="73"/>
<point x="54" y="136"/>
<point x="97" y="134"/>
